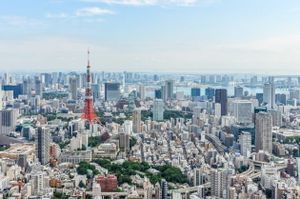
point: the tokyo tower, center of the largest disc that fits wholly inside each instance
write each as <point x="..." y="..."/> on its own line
<point x="88" y="111"/>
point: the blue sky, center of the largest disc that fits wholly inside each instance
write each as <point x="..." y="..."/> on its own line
<point x="261" y="36"/>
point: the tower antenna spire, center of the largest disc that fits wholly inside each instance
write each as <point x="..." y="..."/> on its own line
<point x="88" y="56"/>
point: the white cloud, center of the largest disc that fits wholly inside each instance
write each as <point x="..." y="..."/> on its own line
<point x="57" y="15"/>
<point x="19" y="21"/>
<point x="92" y="11"/>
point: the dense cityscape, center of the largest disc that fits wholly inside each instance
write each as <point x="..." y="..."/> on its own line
<point x="145" y="135"/>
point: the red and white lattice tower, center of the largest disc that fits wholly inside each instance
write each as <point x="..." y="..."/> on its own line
<point x="88" y="111"/>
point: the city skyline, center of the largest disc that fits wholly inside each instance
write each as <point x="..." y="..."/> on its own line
<point x="150" y="36"/>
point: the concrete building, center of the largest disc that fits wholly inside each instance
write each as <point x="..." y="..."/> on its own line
<point x="238" y="91"/>
<point x="112" y="91"/>
<point x="158" y="110"/>
<point x="43" y="145"/>
<point x="221" y="97"/>
<point x="263" y="134"/>
<point x="245" y="143"/>
<point x="218" y="180"/>
<point x="8" y="120"/>
<point x="136" y="126"/>
<point x="242" y="111"/>
<point x="269" y="94"/>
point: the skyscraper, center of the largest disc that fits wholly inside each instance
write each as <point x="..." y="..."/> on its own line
<point x="269" y="94"/>
<point x="43" y="145"/>
<point x="8" y="120"/>
<point x="263" y="134"/>
<point x="242" y="111"/>
<point x="221" y="97"/>
<point x="168" y="90"/>
<point x="136" y="121"/>
<point x="141" y="92"/>
<point x="96" y="91"/>
<point x="158" y="110"/>
<point x="238" y="91"/>
<point x="73" y="87"/>
<point x="210" y="93"/>
<point x="38" y="87"/>
<point x="195" y="93"/>
<point x="112" y="91"/>
<point x="245" y="143"/>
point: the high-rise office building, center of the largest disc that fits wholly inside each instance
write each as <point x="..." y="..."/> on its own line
<point x="221" y="97"/>
<point x="42" y="145"/>
<point x="124" y="142"/>
<point x="245" y="143"/>
<point x="168" y="90"/>
<point x="158" y="94"/>
<point x="280" y="99"/>
<point x="38" y="87"/>
<point x="17" y="89"/>
<point x="269" y="94"/>
<point x="210" y="93"/>
<point x="218" y="181"/>
<point x="276" y="117"/>
<point x="260" y="98"/>
<point x="238" y="91"/>
<point x="158" y="110"/>
<point x="263" y="134"/>
<point x="73" y="87"/>
<point x="136" y="121"/>
<point x="195" y="93"/>
<point x="96" y="91"/>
<point x="242" y="111"/>
<point x="141" y="92"/>
<point x="112" y="91"/>
<point x="8" y="120"/>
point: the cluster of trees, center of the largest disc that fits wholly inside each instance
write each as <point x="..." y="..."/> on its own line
<point x="59" y="195"/>
<point x="95" y="141"/>
<point x="4" y="147"/>
<point x="85" y="168"/>
<point x="128" y="168"/>
<point x="62" y="145"/>
<point x="168" y="114"/>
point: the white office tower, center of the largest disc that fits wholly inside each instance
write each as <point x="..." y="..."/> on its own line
<point x="141" y="92"/>
<point x="276" y="117"/>
<point x="263" y="134"/>
<point x="137" y="121"/>
<point x="242" y="111"/>
<point x="128" y="126"/>
<point x="269" y="174"/>
<point x="8" y="120"/>
<point x="158" y="110"/>
<point x="218" y="181"/>
<point x="269" y="94"/>
<point x="217" y="110"/>
<point x="73" y="87"/>
<point x="42" y="145"/>
<point x="245" y="143"/>
<point x="38" y="183"/>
